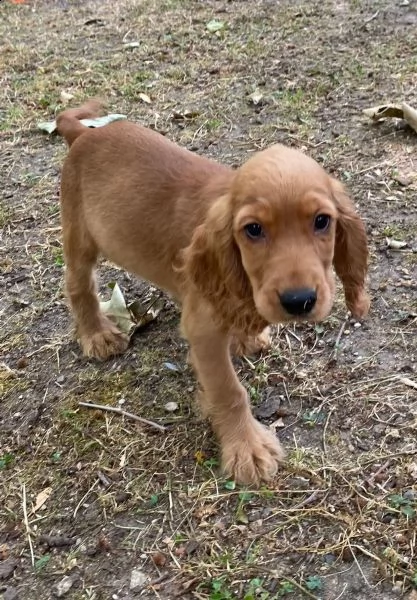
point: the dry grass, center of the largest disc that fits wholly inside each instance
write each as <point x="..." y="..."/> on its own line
<point x="119" y="495"/>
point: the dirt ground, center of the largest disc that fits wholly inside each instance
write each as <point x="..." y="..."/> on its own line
<point x="97" y="506"/>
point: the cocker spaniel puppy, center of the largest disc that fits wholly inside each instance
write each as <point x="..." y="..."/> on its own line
<point x="238" y="249"/>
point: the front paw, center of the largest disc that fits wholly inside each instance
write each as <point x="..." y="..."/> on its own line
<point x="251" y="454"/>
<point x="105" y="342"/>
<point x="247" y="346"/>
<point x="358" y="304"/>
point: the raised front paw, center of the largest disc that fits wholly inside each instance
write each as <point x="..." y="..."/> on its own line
<point x="107" y="341"/>
<point x="251" y="453"/>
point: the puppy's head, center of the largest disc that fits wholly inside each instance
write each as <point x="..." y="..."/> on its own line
<point x="276" y="235"/>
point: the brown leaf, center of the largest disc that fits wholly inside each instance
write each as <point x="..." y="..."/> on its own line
<point x="159" y="559"/>
<point x="22" y="362"/>
<point x="205" y="511"/>
<point x="103" y="543"/>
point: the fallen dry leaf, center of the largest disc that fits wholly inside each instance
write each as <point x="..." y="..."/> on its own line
<point x="145" y="98"/>
<point x="205" y="511"/>
<point x="397" y="111"/>
<point x="256" y="97"/>
<point x="116" y="309"/>
<point x="50" y="126"/>
<point x="169" y="542"/>
<point x="408" y="382"/>
<point x="41" y="498"/>
<point x="214" y="26"/>
<point x="66" y="96"/>
<point x="395" y="244"/>
<point x="376" y="113"/>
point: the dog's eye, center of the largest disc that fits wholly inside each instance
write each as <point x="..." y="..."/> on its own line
<point x="321" y="223"/>
<point x="254" y="231"/>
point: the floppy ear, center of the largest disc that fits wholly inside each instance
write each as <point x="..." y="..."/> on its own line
<point x="212" y="261"/>
<point x="351" y="252"/>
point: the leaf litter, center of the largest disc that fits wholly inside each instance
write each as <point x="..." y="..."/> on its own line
<point x="130" y="318"/>
<point x="397" y="111"/>
<point x="50" y="126"/>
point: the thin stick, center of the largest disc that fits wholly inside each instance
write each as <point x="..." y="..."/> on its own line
<point x="26" y="521"/>
<point x="372" y="17"/>
<point x="371" y="480"/>
<point x="325" y="431"/>
<point x="382" y="164"/>
<point x="301" y="588"/>
<point x="123" y="413"/>
<point x="358" y="565"/>
<point x="84" y="497"/>
<point x="339" y="336"/>
<point x="309" y="500"/>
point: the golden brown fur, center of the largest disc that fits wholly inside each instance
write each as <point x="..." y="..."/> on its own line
<point x="228" y="245"/>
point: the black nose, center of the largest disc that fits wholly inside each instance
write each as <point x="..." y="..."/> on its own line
<point x="298" y="302"/>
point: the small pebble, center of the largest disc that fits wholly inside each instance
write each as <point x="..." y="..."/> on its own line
<point x="138" y="579"/>
<point x="397" y="588"/>
<point x="11" y="594"/>
<point x="63" y="586"/>
<point x="171" y="406"/>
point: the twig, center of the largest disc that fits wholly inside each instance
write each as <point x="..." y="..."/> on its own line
<point x="342" y="593"/>
<point x="371" y="480"/>
<point x="325" y="430"/>
<point x="371" y="18"/>
<point x="26" y="521"/>
<point x="302" y="589"/>
<point x="339" y="336"/>
<point x="382" y="164"/>
<point x="309" y="500"/>
<point x="84" y="497"/>
<point x="358" y="565"/>
<point x="123" y="413"/>
<point x="408" y="382"/>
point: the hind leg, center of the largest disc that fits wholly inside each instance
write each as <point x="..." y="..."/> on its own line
<point x="98" y="335"/>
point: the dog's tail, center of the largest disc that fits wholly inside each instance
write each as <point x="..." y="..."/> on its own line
<point x="68" y="122"/>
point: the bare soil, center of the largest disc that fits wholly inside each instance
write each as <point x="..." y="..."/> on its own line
<point x="90" y="499"/>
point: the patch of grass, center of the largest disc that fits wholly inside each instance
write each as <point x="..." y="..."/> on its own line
<point x="406" y="503"/>
<point x="213" y="124"/>
<point x="6" y="214"/>
<point x="394" y="231"/>
<point x="57" y="256"/>
<point x="6" y="460"/>
<point x="11" y="118"/>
